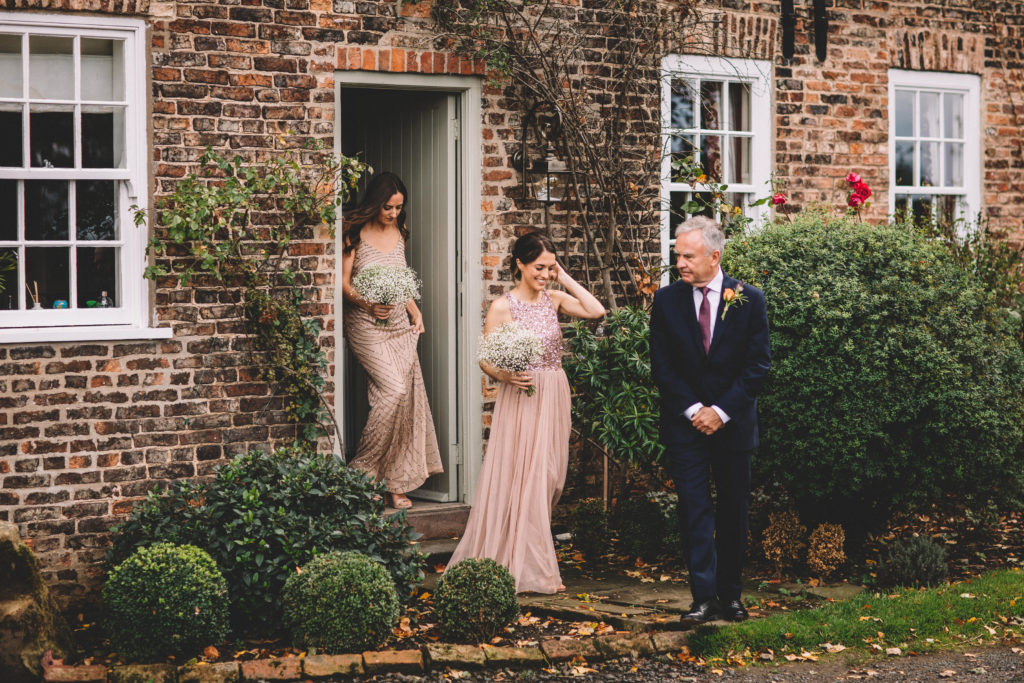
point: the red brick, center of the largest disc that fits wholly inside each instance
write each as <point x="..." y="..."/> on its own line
<point x="278" y="669"/>
<point x="393" y="661"/>
<point x="75" y="674"/>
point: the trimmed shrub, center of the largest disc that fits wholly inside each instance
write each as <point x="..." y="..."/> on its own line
<point x="783" y="539"/>
<point x="896" y="376"/>
<point x="340" y="602"/>
<point x="648" y="525"/>
<point x="475" y="600"/>
<point x="914" y="561"/>
<point x="264" y="514"/>
<point x="615" y="402"/>
<point x="825" y="552"/>
<point x="588" y="523"/>
<point x="164" y="600"/>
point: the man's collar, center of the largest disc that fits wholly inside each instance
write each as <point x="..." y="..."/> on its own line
<point x="716" y="282"/>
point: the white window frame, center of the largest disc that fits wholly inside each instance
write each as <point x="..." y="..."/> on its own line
<point x="968" y="85"/>
<point x="753" y="72"/>
<point x="130" y="319"/>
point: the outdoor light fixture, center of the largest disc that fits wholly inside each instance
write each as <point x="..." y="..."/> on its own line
<point x="550" y="178"/>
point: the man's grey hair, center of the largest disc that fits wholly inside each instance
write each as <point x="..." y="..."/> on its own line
<point x="714" y="238"/>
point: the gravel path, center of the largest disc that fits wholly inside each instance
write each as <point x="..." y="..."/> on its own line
<point x="989" y="665"/>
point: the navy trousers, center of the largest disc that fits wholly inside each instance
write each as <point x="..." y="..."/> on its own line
<point x="714" y="535"/>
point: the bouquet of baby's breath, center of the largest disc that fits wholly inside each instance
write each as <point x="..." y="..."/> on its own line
<point x="511" y="347"/>
<point x="386" y="285"/>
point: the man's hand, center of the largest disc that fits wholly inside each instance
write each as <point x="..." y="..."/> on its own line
<point x="707" y="421"/>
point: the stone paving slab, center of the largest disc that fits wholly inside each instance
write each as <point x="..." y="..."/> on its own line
<point x="514" y="656"/>
<point x="455" y="656"/>
<point x="562" y="649"/>
<point x="322" y="666"/>
<point x="221" y="672"/>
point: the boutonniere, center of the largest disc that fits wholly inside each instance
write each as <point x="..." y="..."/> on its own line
<point x="732" y="297"/>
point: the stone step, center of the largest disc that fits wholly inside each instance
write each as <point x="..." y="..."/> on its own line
<point x="437" y="520"/>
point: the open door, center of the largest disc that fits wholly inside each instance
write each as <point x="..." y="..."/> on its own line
<point x="415" y="134"/>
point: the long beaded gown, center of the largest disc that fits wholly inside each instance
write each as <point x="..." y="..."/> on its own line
<point x="525" y="464"/>
<point x="398" y="443"/>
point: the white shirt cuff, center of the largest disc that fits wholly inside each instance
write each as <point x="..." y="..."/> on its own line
<point x="692" y="410"/>
<point x="721" y="414"/>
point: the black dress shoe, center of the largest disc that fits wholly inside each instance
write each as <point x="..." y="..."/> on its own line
<point x="734" y="611"/>
<point x="700" y="612"/>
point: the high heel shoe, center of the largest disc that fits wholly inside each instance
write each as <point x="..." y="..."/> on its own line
<point x="400" y="501"/>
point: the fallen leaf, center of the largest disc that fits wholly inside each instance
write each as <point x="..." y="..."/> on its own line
<point x="968" y="596"/>
<point x="893" y="651"/>
<point x="211" y="653"/>
<point x="948" y="673"/>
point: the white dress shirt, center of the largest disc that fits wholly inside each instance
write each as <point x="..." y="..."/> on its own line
<point x="714" y="297"/>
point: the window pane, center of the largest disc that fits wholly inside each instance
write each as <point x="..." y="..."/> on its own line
<point x="682" y="104"/>
<point x="8" y="279"/>
<point x="953" y="115"/>
<point x="682" y="147"/>
<point x="10" y="137"/>
<point x="10" y="65"/>
<point x="52" y="68"/>
<point x="102" y="69"/>
<point x="8" y="210"/>
<point x="102" y="135"/>
<point x="95" y="209"/>
<point x="47" y="269"/>
<point x="711" y="156"/>
<point x="676" y="214"/>
<point x="929" y="164"/>
<point x="46" y="209"/>
<point x="711" y="104"/>
<point x="739" y="106"/>
<point x="739" y="160"/>
<point x="904" y="163"/>
<point x="929" y="115"/>
<point x="53" y="139"/>
<point x="947" y="208"/>
<point x="922" y="207"/>
<point x="904" y="113"/>
<point x="707" y="204"/>
<point x="901" y="206"/>
<point x="954" y="162"/>
<point x="97" y="271"/>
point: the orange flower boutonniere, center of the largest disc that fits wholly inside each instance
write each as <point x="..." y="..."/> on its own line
<point x="732" y="297"/>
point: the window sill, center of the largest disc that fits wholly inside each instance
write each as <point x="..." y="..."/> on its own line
<point x="26" y="335"/>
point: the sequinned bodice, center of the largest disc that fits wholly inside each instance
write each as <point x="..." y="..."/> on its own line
<point x="542" y="318"/>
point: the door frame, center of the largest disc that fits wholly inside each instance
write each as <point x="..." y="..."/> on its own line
<point x="469" y="321"/>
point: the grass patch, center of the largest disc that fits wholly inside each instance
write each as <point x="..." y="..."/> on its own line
<point x="986" y="609"/>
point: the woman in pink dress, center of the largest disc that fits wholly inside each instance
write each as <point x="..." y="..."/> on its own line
<point x="528" y="450"/>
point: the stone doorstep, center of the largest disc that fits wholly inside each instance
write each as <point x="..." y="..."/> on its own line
<point x="432" y="655"/>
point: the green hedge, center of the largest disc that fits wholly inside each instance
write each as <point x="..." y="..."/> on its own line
<point x="165" y="600"/>
<point x="264" y="514"/>
<point x="895" y="377"/>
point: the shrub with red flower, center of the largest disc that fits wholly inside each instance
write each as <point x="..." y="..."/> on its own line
<point x="860" y="192"/>
<point x="778" y="199"/>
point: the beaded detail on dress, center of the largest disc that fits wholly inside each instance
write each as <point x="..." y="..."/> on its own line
<point x="542" y="318"/>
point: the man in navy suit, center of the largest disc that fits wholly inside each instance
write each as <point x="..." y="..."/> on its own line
<point x="709" y="356"/>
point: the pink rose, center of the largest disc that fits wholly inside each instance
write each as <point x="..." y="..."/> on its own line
<point x="853" y="178"/>
<point x="778" y="199"/>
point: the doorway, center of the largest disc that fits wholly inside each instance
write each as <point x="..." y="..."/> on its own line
<point x="418" y="134"/>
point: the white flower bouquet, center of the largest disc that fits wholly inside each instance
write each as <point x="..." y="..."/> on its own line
<point x="386" y="285"/>
<point x="511" y="347"/>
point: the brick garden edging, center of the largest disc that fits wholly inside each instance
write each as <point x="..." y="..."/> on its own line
<point x="432" y="656"/>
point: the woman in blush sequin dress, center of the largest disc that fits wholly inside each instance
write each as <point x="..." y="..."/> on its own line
<point x="528" y="450"/>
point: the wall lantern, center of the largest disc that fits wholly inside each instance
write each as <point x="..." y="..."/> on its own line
<point x="550" y="177"/>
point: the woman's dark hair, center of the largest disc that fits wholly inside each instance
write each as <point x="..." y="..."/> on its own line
<point x="528" y="247"/>
<point x="382" y="187"/>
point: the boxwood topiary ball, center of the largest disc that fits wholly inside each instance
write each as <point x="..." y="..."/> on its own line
<point x="340" y="602"/>
<point x="165" y="599"/>
<point x="475" y="600"/>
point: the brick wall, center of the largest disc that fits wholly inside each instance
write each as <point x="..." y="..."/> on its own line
<point x="86" y="428"/>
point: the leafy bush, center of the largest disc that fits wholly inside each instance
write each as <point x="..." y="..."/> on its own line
<point x="783" y="539"/>
<point x="825" y="552"/>
<point x="648" y="524"/>
<point x="895" y="373"/>
<point x="475" y="600"/>
<point x="340" y="602"/>
<point x="265" y="514"/>
<point x="588" y="523"/>
<point x="615" y="401"/>
<point x="165" y="600"/>
<point x="914" y="561"/>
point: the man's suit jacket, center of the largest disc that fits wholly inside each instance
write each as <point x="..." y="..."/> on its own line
<point x="729" y="376"/>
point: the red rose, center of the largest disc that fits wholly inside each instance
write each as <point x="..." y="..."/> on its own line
<point x="862" y="190"/>
<point x="855" y="201"/>
<point x="853" y="178"/>
<point x="779" y="199"/>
